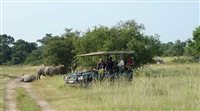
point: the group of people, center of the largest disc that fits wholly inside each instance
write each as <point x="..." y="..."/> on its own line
<point x="105" y="66"/>
<point x="110" y="66"/>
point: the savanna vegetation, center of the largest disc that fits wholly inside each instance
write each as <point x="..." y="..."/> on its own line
<point x="61" y="49"/>
<point x="25" y="102"/>
<point x="156" y="87"/>
<point x="8" y="73"/>
<point x="169" y="86"/>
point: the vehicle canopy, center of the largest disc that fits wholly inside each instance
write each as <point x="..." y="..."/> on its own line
<point x="84" y="77"/>
<point x="106" y="53"/>
<point x="116" y="55"/>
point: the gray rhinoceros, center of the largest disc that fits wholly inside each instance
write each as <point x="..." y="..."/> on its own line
<point x="53" y="70"/>
<point x="49" y="70"/>
<point x="40" y="71"/>
<point x="27" y="78"/>
<point x="60" y="70"/>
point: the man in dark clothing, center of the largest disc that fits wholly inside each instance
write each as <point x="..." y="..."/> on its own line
<point x="110" y="68"/>
<point x="101" y="64"/>
<point x="101" y="69"/>
<point x="110" y="64"/>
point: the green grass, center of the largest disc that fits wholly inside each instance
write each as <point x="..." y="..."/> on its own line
<point x="169" y="70"/>
<point x="25" y="102"/>
<point x="180" y="59"/>
<point x="175" y="87"/>
<point x="155" y="87"/>
<point x="17" y="70"/>
<point x="3" y="80"/>
<point x="11" y="72"/>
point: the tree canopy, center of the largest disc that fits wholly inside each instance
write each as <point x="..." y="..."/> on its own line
<point x="195" y="43"/>
<point x="124" y="36"/>
<point x="5" y="49"/>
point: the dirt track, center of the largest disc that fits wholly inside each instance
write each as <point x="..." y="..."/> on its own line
<point x="10" y="96"/>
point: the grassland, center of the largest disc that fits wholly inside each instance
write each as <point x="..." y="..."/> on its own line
<point x="25" y="102"/>
<point x="155" y="87"/>
<point x="11" y="72"/>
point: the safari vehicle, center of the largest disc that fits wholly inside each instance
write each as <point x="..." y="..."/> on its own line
<point x="83" y="77"/>
<point x="80" y="77"/>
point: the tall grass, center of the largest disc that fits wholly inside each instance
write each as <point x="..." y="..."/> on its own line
<point x="170" y="70"/>
<point x="154" y="87"/>
<point x="17" y="70"/>
<point x="25" y="102"/>
<point x="3" y="80"/>
<point x="11" y="72"/>
<point x="157" y="87"/>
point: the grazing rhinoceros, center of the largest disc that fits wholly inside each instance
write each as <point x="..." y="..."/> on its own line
<point x="49" y="70"/>
<point x="60" y="70"/>
<point x="40" y="71"/>
<point x="52" y="70"/>
<point x="27" y="78"/>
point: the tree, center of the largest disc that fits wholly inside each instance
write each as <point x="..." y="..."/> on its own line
<point x="58" y="50"/>
<point x="173" y="49"/>
<point x="166" y="48"/>
<point x="5" y="48"/>
<point x="123" y="36"/>
<point x="45" y="38"/>
<point x="21" y="49"/>
<point x="195" y="43"/>
<point x="178" y="48"/>
<point x="188" y="49"/>
<point x="35" y="57"/>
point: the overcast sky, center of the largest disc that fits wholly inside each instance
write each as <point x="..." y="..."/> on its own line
<point x="30" y="21"/>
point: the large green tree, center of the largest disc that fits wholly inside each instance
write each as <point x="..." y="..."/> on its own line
<point x="195" y="44"/>
<point x="166" y="48"/>
<point x="126" y="35"/>
<point x="178" y="48"/>
<point x="58" y="50"/>
<point x="35" y="57"/>
<point x="21" y="49"/>
<point x="5" y="48"/>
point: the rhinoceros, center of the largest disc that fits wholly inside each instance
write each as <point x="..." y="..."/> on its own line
<point x="49" y="70"/>
<point x="52" y="70"/>
<point x="40" y="71"/>
<point x="27" y="78"/>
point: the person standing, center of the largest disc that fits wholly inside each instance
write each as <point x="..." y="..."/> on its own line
<point x="109" y="65"/>
<point x="121" y="66"/>
<point x="101" y="68"/>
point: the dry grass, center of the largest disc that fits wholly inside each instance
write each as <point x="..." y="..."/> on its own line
<point x="11" y="72"/>
<point x="156" y="87"/>
<point x="175" y="87"/>
<point x="3" y="80"/>
<point x="25" y="102"/>
<point x="17" y="70"/>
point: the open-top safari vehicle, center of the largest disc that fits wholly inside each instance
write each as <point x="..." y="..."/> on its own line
<point x="120" y="68"/>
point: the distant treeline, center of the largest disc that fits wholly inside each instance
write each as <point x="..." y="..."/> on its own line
<point x="61" y="49"/>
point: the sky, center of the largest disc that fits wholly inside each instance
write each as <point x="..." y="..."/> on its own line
<point x="31" y="21"/>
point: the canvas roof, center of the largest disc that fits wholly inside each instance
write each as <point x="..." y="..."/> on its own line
<point x="107" y="53"/>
